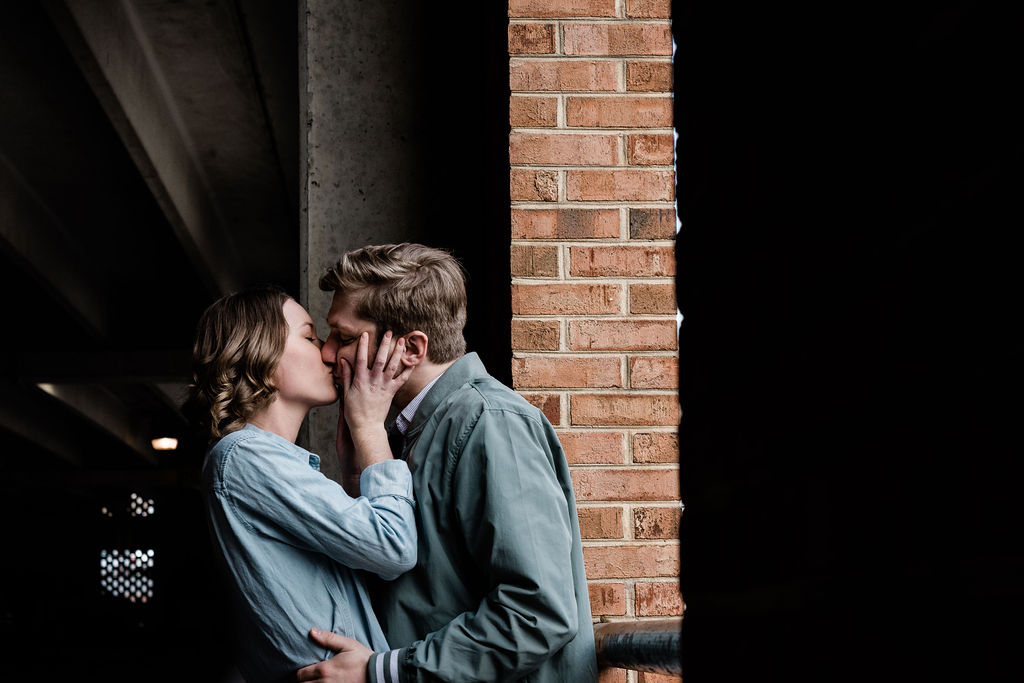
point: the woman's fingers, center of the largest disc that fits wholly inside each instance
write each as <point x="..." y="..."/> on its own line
<point x="382" y="352"/>
<point x="395" y="366"/>
<point x="362" y="353"/>
<point x="346" y="376"/>
<point x="387" y="373"/>
<point x="403" y="374"/>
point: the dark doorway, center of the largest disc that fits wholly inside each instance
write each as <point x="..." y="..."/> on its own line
<point x="846" y="184"/>
<point x="463" y="149"/>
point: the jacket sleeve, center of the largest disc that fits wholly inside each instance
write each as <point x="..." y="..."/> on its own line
<point x="277" y="495"/>
<point x="514" y="520"/>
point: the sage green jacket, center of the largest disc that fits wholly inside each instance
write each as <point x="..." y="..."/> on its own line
<point x="498" y="592"/>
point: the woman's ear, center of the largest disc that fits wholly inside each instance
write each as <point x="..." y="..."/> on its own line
<point x="415" y="348"/>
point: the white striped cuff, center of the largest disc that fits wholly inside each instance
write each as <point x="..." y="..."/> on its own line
<point x="383" y="667"/>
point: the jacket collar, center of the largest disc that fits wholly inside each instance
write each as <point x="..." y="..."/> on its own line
<point x="465" y="369"/>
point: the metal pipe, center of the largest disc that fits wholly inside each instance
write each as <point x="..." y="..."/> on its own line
<point x="651" y="646"/>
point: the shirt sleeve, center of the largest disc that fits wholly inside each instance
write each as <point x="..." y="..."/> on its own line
<point x="514" y="520"/>
<point x="277" y="495"/>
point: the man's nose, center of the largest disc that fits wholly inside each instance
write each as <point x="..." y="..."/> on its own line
<point x="329" y="352"/>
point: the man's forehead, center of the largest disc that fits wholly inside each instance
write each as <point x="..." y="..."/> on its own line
<point x="343" y="311"/>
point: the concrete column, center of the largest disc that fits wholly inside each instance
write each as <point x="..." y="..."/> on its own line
<point x="360" y="153"/>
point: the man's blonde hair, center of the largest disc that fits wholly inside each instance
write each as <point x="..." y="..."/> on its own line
<point x="239" y="341"/>
<point x="406" y="287"/>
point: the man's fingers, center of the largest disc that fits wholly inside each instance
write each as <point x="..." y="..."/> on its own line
<point x="332" y="641"/>
<point x="308" y="673"/>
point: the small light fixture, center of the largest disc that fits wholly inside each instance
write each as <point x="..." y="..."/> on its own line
<point x="165" y="443"/>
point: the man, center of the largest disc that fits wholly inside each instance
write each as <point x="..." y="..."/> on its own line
<point x="499" y="591"/>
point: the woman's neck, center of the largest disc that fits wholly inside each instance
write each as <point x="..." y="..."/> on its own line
<point x="278" y="418"/>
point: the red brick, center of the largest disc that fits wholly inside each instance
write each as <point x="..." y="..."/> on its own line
<point x="532" y="112"/>
<point x="652" y="298"/>
<point x="622" y="335"/>
<point x="561" y="8"/>
<point x="647" y="677"/>
<point x="649" y="76"/>
<point x="566" y="371"/>
<point x="646" y="372"/>
<point x="600" y="522"/>
<point x="650" y="150"/>
<point x="538" y="39"/>
<point x="574" y="150"/>
<point x="624" y="409"/>
<point x="565" y="299"/>
<point x="607" y="599"/>
<point x="650" y="9"/>
<point x="622" y="261"/>
<point x="643" y="186"/>
<point x="658" y="599"/>
<point x="612" y="676"/>
<point x="549" y="404"/>
<point x="655" y="447"/>
<point x="562" y="75"/>
<point x="530" y="260"/>
<point x="538" y="186"/>
<point x="593" y="448"/>
<point x="625" y="484"/>
<point x="617" y="39"/>
<point x="631" y="561"/>
<point x="656" y="522"/>
<point x="652" y="224"/>
<point x="571" y="224"/>
<point x="619" y="112"/>
<point x="535" y="335"/>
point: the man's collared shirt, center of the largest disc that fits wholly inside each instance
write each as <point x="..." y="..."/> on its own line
<point x="400" y="425"/>
<point x="404" y="419"/>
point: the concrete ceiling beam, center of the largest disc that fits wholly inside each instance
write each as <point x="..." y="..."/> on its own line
<point x="34" y="424"/>
<point x="35" y="237"/>
<point x="105" y="411"/>
<point x="108" y="41"/>
<point x="140" y="367"/>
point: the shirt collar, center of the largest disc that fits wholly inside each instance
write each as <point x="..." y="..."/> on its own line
<point x="404" y="418"/>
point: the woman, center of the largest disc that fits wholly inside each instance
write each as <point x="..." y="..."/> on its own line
<point x="289" y="537"/>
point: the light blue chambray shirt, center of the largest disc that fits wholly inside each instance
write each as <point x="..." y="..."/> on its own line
<point x="290" y="539"/>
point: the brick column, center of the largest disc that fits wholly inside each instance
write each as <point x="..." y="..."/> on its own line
<point x="593" y="327"/>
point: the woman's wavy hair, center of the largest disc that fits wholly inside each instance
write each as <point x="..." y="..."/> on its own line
<point x="239" y="340"/>
<point x="406" y="287"/>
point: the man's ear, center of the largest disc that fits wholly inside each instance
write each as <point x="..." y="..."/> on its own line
<point x="415" y="348"/>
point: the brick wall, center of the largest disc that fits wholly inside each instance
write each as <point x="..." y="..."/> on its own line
<point x="593" y="302"/>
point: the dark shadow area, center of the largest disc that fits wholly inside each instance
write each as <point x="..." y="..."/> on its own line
<point x="67" y="605"/>
<point x="463" y="161"/>
<point x="848" y="190"/>
<point x="67" y="475"/>
<point x="117" y="325"/>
